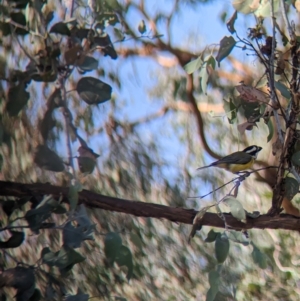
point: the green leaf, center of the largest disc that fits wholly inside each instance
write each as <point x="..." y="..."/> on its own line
<point x="73" y="195"/>
<point x="17" y="99"/>
<point x="211" y="294"/>
<point x="296" y="158"/>
<point x="14" y="241"/>
<point x="93" y="90"/>
<point x="112" y="244"/>
<point x="106" y="46"/>
<point x="231" y="110"/>
<point x="230" y="23"/>
<point x="214" y="279"/>
<point x="245" y="6"/>
<point x="204" y="79"/>
<point x="48" y="159"/>
<point x="221" y="247"/>
<point x="60" y="28"/>
<point x="259" y="258"/>
<point x="67" y="257"/>
<point x="9" y="207"/>
<point x="142" y="27"/>
<point x="254" y="214"/>
<point x="36" y="216"/>
<point x="226" y="46"/>
<point x="283" y="89"/>
<point x="86" y="164"/>
<point x="74" y="236"/>
<point x="236" y="209"/>
<point x="136" y="240"/>
<point x="291" y="187"/>
<point x="194" y="65"/>
<point x="211" y="62"/>
<point x="89" y="63"/>
<point x="264" y="10"/>
<point x="71" y="236"/>
<point x="271" y="130"/>
<point x="48" y="257"/>
<point x="238" y="236"/>
<point x="124" y="258"/>
<point x="211" y="236"/>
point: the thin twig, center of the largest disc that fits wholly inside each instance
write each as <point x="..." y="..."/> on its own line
<point x="274" y="99"/>
<point x="241" y="178"/>
<point x="286" y="21"/>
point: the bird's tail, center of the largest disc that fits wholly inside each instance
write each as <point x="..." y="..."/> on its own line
<point x="203" y="167"/>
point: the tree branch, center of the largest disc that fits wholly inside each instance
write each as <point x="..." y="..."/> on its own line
<point x="178" y="215"/>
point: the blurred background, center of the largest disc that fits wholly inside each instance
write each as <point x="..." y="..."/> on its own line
<point x="159" y="125"/>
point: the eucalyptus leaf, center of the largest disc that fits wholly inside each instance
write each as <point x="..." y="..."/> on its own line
<point x="124" y="258"/>
<point x="211" y="294"/>
<point x="67" y="257"/>
<point x="221" y="247"/>
<point x="259" y="258"/>
<point x="136" y="240"/>
<point x="73" y="196"/>
<point x="8" y="207"/>
<point x="230" y="23"/>
<point x="264" y="10"/>
<point x="60" y="28"/>
<point x="211" y="236"/>
<point x="226" y="46"/>
<point x="245" y="6"/>
<point x="236" y="209"/>
<point x="86" y="164"/>
<point x="93" y="90"/>
<point x="14" y="241"/>
<point x="291" y="186"/>
<point x="214" y="279"/>
<point x="112" y="244"/>
<point x="284" y="91"/>
<point x="48" y="159"/>
<point x="239" y="237"/>
<point x="211" y="62"/>
<point x="36" y="216"/>
<point x="48" y="257"/>
<point x="17" y="99"/>
<point x="89" y="63"/>
<point x="296" y="158"/>
<point x="231" y="110"/>
<point x="204" y="79"/>
<point x="194" y="65"/>
<point x="74" y="236"/>
<point x="254" y="214"/>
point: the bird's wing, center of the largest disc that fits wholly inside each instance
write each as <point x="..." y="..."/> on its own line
<point x="234" y="158"/>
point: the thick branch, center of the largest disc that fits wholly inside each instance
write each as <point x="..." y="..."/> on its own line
<point x="179" y="215"/>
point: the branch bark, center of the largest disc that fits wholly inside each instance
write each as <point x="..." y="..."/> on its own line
<point x="136" y="208"/>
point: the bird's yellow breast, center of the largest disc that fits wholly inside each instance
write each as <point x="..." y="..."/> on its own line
<point x="239" y="167"/>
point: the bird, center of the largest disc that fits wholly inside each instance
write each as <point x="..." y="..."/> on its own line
<point x="237" y="161"/>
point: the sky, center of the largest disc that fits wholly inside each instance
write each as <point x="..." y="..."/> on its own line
<point x="193" y="27"/>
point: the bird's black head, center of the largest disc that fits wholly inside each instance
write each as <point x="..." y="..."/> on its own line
<point x="252" y="150"/>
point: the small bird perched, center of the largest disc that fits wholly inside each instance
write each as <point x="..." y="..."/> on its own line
<point x="237" y="161"/>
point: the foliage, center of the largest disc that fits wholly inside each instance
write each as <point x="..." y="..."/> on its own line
<point x="62" y="88"/>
